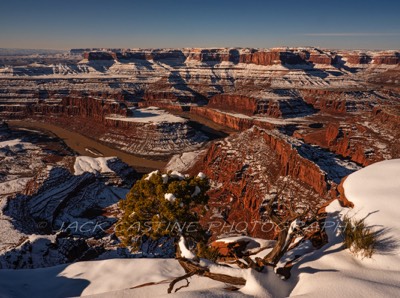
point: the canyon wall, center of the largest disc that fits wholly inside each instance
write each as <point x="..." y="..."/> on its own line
<point x="265" y="57"/>
<point x="254" y="166"/>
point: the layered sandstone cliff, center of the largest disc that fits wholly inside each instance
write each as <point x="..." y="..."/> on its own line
<point x="265" y="57"/>
<point x="250" y="168"/>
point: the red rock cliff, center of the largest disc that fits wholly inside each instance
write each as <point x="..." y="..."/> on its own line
<point x="250" y="167"/>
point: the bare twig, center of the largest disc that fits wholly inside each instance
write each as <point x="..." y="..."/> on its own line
<point x="178" y="279"/>
<point x="184" y="286"/>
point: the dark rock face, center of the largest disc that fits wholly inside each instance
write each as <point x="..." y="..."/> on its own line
<point x="4" y="130"/>
<point x="93" y="56"/>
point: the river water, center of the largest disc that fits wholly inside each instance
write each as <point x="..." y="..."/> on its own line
<point x="89" y="147"/>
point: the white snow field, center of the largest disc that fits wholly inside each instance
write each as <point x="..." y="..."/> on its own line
<point x="328" y="272"/>
<point x="123" y="278"/>
<point x="333" y="272"/>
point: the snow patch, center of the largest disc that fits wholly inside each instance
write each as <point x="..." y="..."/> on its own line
<point x="201" y="175"/>
<point x="177" y="175"/>
<point x="170" y="197"/>
<point x="183" y="162"/>
<point x="149" y="175"/>
<point x="92" y="165"/>
<point x="164" y="178"/>
<point x="253" y="286"/>
<point x="149" y="115"/>
<point x="185" y="252"/>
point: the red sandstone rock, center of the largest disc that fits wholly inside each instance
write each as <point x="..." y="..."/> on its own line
<point x="248" y="166"/>
<point x="389" y="58"/>
<point x="225" y="119"/>
<point x="357" y="58"/>
<point x="236" y="103"/>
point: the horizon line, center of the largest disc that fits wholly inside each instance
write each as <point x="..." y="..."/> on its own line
<point x="210" y="47"/>
<point x="352" y="34"/>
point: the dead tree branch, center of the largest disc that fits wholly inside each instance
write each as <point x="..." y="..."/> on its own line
<point x="178" y="279"/>
<point x="190" y="267"/>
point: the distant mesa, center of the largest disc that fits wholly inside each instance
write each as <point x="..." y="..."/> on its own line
<point x="266" y="57"/>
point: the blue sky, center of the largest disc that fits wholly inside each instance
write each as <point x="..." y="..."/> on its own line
<point x="59" y="24"/>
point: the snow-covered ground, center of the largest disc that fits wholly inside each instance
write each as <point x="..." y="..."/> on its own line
<point x="328" y="272"/>
<point x="183" y="162"/>
<point x="92" y="165"/>
<point x="150" y="115"/>
<point x="129" y="278"/>
<point x="333" y="272"/>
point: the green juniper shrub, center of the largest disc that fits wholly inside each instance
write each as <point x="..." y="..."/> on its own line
<point x="149" y="210"/>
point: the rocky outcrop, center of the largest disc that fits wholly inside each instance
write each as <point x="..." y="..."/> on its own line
<point x="166" y="105"/>
<point x="388" y="116"/>
<point x="252" y="167"/>
<point x="94" y="108"/>
<point x="266" y="57"/>
<point x="287" y="57"/>
<point x="104" y="119"/>
<point x="270" y="58"/>
<point x="293" y="164"/>
<point x="235" y="103"/>
<point x="375" y="58"/>
<point x="339" y="101"/>
<point x="153" y="96"/>
<point x="357" y="58"/>
<point x="388" y="121"/>
<point x="86" y="106"/>
<point x="229" y="120"/>
<point x="214" y="55"/>
<point x="323" y="100"/>
<point x="58" y="208"/>
<point x="319" y="57"/>
<point x="364" y="138"/>
<point x="94" y="56"/>
<point x="386" y="58"/>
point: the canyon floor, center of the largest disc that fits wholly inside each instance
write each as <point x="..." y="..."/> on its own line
<point x="317" y="129"/>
